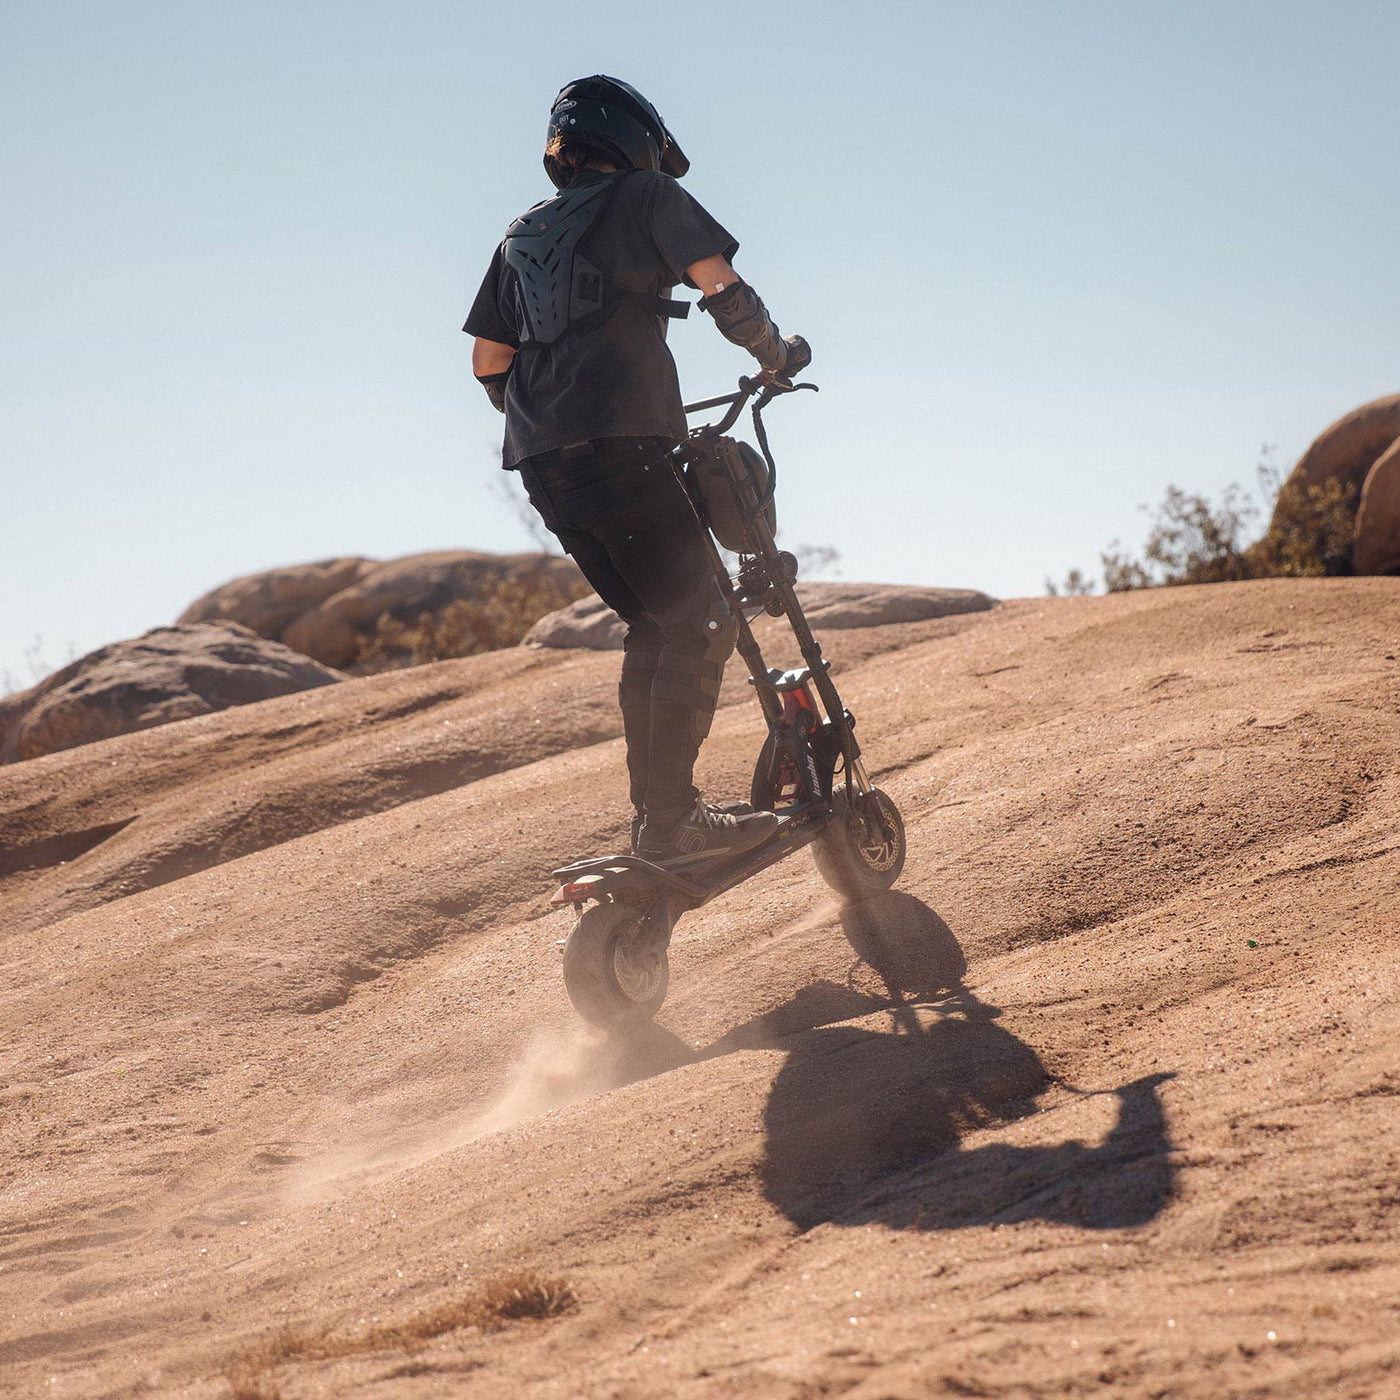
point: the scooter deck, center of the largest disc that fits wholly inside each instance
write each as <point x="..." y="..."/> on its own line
<point x="698" y="881"/>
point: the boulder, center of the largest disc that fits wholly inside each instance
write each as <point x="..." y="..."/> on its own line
<point x="166" y="674"/>
<point x="405" y="589"/>
<point x="831" y="606"/>
<point x="836" y="605"/>
<point x="1347" y="451"/>
<point x="331" y="610"/>
<point x="589" y="623"/>
<point x="271" y="601"/>
<point x="1376" y="542"/>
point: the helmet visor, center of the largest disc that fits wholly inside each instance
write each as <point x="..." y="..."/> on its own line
<point x="673" y="160"/>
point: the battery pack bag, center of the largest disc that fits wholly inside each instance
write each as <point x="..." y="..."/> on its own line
<point x="728" y="480"/>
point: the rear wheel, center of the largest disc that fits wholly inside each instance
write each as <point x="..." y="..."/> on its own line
<point x="615" y="967"/>
<point x="861" y="853"/>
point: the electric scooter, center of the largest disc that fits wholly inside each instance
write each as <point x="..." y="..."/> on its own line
<point x="809" y="772"/>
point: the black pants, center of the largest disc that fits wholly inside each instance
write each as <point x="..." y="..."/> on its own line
<point x="618" y="509"/>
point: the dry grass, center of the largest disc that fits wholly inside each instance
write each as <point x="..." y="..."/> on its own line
<point x="499" y="616"/>
<point x="249" y="1382"/>
<point x="524" y="1294"/>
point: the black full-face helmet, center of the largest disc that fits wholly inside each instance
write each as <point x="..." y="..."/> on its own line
<point x="614" y="115"/>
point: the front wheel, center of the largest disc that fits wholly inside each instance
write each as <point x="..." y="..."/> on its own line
<point x="615" y="969"/>
<point x="861" y="852"/>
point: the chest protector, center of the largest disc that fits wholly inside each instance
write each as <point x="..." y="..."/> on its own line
<point x="558" y="288"/>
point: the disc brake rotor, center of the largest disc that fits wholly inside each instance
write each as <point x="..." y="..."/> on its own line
<point x="874" y="835"/>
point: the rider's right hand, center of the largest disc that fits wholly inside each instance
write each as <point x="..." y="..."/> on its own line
<point x="799" y="355"/>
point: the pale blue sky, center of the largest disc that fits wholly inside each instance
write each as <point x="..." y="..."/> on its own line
<point x="1050" y="257"/>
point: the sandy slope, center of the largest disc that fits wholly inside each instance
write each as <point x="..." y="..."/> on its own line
<point x="1105" y="1099"/>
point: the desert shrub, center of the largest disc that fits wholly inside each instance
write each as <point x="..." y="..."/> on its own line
<point x="1075" y="584"/>
<point x="507" y="489"/>
<point x="1191" y="539"/>
<point x="37" y="664"/>
<point x="499" y="616"/>
<point x="815" y="559"/>
<point x="1309" y="535"/>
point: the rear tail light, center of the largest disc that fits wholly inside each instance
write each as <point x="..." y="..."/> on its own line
<point x="576" y="891"/>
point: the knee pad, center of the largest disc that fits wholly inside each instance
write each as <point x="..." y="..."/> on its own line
<point x="721" y="633"/>
<point x="691" y="665"/>
<point x="701" y="624"/>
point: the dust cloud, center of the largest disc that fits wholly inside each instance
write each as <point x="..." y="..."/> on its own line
<point x="559" y="1066"/>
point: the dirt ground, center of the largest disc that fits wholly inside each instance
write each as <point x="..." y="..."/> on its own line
<point x="1104" y="1099"/>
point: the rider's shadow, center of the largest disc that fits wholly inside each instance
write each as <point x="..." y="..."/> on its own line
<point x="866" y="1125"/>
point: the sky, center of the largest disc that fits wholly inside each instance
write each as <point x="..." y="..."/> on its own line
<point x="1050" y="257"/>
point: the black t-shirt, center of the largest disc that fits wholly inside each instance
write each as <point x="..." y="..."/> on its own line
<point x="613" y="377"/>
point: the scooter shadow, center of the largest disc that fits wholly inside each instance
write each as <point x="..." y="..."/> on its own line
<point x="865" y="1126"/>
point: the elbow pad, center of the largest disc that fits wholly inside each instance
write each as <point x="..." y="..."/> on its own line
<point x="743" y="320"/>
<point x="495" y="386"/>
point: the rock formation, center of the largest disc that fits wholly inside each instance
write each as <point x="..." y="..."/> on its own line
<point x="330" y="610"/>
<point x="166" y="674"/>
<point x="271" y="601"/>
<point x="592" y="624"/>
<point x="1356" y="446"/>
<point x="1376" y="544"/>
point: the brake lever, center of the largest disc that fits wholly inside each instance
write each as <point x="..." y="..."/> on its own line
<point x="773" y="388"/>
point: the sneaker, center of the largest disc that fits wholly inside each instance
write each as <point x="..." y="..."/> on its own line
<point x="707" y="831"/>
<point x="734" y="806"/>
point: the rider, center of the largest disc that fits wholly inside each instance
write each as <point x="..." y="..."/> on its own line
<point x="569" y="328"/>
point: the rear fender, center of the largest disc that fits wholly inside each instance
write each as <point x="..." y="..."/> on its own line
<point x="628" y="879"/>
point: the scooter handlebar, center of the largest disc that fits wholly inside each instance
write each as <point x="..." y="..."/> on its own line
<point x="766" y="389"/>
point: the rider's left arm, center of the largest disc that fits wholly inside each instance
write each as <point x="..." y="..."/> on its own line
<point x="491" y="362"/>
<point x="490" y="357"/>
<point x="779" y="357"/>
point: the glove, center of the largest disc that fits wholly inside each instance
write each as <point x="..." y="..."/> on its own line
<point x="799" y="355"/>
